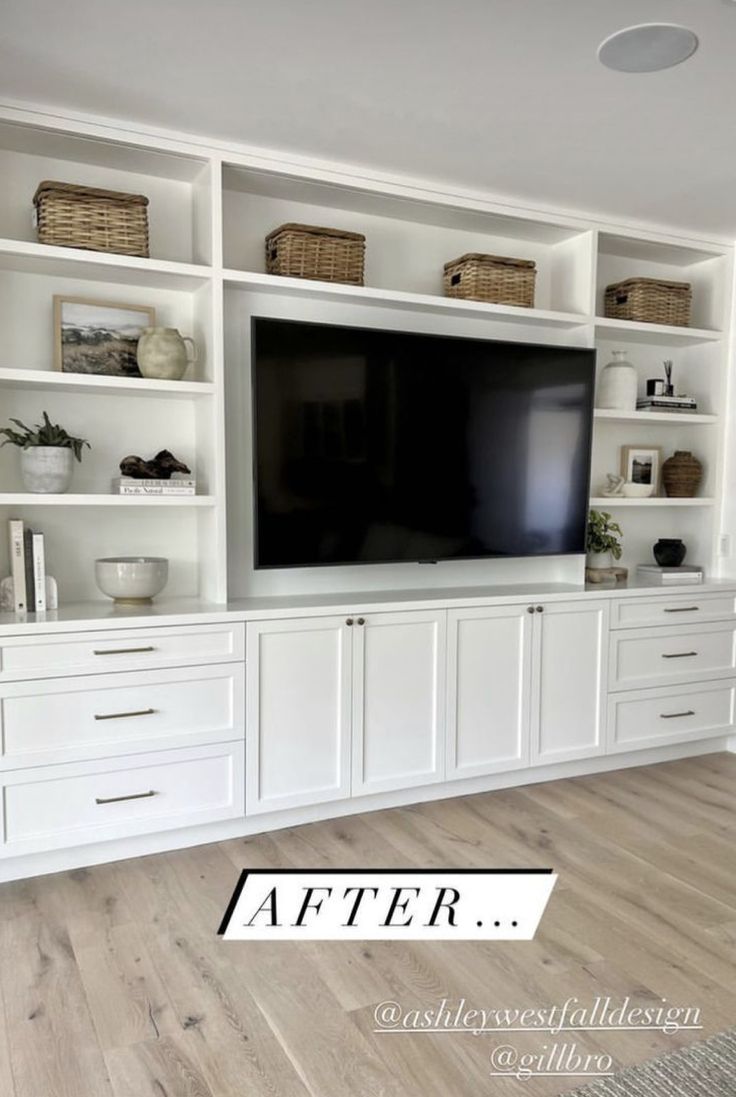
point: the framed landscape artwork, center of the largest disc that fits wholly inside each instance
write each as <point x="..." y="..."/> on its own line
<point x="98" y="337"/>
<point x="641" y="465"/>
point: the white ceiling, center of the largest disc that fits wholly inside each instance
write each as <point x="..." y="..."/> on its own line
<point x="500" y="95"/>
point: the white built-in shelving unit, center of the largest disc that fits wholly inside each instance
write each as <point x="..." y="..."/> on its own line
<point x="210" y="208"/>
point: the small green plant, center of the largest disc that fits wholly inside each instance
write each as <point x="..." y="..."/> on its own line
<point x="602" y="534"/>
<point x="42" y="434"/>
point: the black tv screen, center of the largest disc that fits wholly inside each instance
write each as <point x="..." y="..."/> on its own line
<point x="384" y="446"/>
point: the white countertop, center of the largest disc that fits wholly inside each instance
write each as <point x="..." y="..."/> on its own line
<point x="98" y="615"/>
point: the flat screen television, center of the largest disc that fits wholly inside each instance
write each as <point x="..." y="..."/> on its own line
<point x="386" y="446"/>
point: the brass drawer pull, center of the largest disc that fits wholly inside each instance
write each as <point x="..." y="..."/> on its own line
<point x="119" y="799"/>
<point x="675" y="715"/>
<point x="680" y="655"/>
<point x="124" y="651"/>
<point x="124" y="715"/>
<point x="683" y="609"/>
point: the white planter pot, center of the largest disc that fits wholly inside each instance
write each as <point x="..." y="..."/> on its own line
<point x="46" y="470"/>
<point x="599" y="560"/>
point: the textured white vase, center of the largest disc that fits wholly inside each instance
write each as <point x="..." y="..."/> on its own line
<point x="46" y="470"/>
<point x="162" y="354"/>
<point x="618" y="384"/>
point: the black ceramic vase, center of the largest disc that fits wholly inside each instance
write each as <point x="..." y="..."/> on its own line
<point x="669" y="552"/>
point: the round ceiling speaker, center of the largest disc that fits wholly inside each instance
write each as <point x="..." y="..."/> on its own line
<point x="647" y="48"/>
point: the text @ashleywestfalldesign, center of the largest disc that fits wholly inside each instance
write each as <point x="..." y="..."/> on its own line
<point x="560" y="1057"/>
<point x="387" y="904"/>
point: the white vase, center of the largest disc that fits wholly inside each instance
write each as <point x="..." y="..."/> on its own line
<point x="162" y="354"/>
<point x="599" y="560"/>
<point x="618" y="384"/>
<point x="46" y="470"/>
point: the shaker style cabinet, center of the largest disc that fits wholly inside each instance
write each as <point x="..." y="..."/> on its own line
<point x="489" y="676"/>
<point x="323" y="690"/>
<point x="350" y="706"/>
<point x="398" y="700"/>
<point x="569" y="688"/>
<point x="298" y="694"/>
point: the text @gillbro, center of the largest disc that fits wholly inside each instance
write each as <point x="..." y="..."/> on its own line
<point x="371" y="904"/>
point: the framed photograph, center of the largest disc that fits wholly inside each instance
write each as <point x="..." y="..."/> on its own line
<point x="98" y="337"/>
<point x="642" y="465"/>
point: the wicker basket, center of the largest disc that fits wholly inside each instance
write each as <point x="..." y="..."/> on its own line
<point x="650" y="301"/>
<point x="309" y="251"/>
<point x="87" y="217"/>
<point x="492" y="278"/>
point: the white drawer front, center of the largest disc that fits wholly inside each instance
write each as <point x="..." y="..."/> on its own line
<point x="124" y="649"/>
<point x="63" y="719"/>
<point x="680" y="609"/>
<point x="657" y="716"/>
<point x="57" y="806"/>
<point x="658" y="656"/>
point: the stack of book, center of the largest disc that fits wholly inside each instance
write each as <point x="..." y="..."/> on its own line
<point x="28" y="568"/>
<point x="686" y="573"/>
<point x="667" y="403"/>
<point x="128" y="485"/>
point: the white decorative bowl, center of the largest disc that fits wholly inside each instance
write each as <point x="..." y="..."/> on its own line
<point x="637" y="491"/>
<point x="132" y="579"/>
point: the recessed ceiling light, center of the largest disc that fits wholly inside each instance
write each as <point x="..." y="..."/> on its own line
<point x="647" y="48"/>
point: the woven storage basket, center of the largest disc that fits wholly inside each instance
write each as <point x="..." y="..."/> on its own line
<point x="309" y="251"/>
<point x="650" y="301"/>
<point x="87" y="217"/>
<point x="494" y="278"/>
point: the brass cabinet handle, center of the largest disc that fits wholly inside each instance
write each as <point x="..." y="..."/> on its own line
<point x="540" y="609"/>
<point x="683" y="609"/>
<point x="124" y="651"/>
<point x="680" y="655"/>
<point x="361" y="620"/>
<point x="124" y="715"/>
<point x="530" y="609"/>
<point x="119" y="799"/>
<point x="675" y="715"/>
<point x="349" y="621"/>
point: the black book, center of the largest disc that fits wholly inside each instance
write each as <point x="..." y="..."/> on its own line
<point x="28" y="565"/>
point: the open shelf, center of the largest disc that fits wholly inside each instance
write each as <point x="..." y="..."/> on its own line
<point x="669" y="417"/>
<point x="400" y="299"/>
<point x="32" y="258"/>
<point x="53" y="381"/>
<point x="31" y="499"/>
<point x="660" y="335"/>
<point x="656" y="501"/>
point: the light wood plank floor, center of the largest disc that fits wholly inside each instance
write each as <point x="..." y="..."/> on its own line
<point x="114" y="983"/>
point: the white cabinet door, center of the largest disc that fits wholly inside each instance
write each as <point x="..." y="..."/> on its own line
<point x="398" y="700"/>
<point x="488" y="690"/>
<point x="569" y="681"/>
<point x="297" y="712"/>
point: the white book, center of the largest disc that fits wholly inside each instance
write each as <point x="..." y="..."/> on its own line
<point x="161" y="487"/>
<point x="663" y="569"/>
<point x="155" y="482"/>
<point x="39" y="572"/>
<point x="18" y="565"/>
<point x="690" y="579"/>
<point x="125" y="490"/>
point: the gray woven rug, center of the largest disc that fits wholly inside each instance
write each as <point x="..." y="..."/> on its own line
<point x="703" y="1070"/>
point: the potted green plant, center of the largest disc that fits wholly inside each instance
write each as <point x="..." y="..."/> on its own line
<point x="46" y="455"/>
<point x="602" y="542"/>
